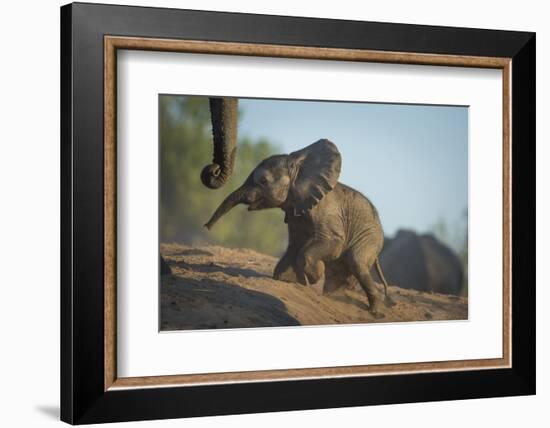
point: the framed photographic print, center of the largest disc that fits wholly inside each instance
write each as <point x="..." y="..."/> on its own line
<point x="265" y="213"/>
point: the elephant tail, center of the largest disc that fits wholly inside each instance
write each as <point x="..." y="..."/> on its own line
<point x="381" y="275"/>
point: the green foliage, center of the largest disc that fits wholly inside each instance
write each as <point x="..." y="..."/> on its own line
<point x="186" y="204"/>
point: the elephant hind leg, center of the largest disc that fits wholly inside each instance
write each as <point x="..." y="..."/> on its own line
<point x="360" y="267"/>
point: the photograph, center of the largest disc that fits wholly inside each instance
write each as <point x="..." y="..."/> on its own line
<point x="262" y="211"/>
<point x="288" y="212"/>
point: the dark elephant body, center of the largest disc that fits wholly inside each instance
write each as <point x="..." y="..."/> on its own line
<point x="423" y="263"/>
<point x="329" y="224"/>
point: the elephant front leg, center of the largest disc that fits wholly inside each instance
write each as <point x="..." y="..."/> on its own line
<point x="284" y="271"/>
<point x="310" y="266"/>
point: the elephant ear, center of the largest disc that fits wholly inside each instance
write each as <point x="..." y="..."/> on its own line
<point x="316" y="171"/>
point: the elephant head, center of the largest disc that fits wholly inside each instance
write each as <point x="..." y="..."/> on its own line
<point x="224" y="113"/>
<point x="294" y="182"/>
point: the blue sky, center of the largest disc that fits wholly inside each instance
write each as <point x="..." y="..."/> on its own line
<point x="410" y="160"/>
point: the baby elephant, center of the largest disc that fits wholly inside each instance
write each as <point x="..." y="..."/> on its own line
<point x="328" y="222"/>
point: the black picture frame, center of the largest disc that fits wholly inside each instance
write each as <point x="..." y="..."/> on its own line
<point x="83" y="399"/>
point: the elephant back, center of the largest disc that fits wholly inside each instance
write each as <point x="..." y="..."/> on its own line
<point x="403" y="262"/>
<point x="421" y="262"/>
<point x="443" y="265"/>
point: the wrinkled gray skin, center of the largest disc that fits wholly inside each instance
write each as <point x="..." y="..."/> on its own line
<point x="328" y="222"/>
<point x="422" y="262"/>
<point x="223" y="112"/>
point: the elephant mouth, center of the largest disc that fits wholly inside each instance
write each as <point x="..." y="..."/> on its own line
<point x="256" y="205"/>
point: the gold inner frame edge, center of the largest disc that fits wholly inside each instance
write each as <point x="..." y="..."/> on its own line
<point x="113" y="43"/>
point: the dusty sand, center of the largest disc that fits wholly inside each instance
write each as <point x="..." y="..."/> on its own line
<point x="214" y="287"/>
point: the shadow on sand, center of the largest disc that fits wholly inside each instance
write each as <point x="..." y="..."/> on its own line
<point x="228" y="270"/>
<point x="188" y="303"/>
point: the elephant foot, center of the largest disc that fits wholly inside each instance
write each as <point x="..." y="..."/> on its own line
<point x="374" y="307"/>
<point x="314" y="271"/>
<point x="376" y="314"/>
<point x="302" y="279"/>
<point x="287" y="276"/>
<point x="313" y="278"/>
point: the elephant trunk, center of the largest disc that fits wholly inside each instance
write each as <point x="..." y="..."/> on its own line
<point x="224" y="113"/>
<point x="239" y="196"/>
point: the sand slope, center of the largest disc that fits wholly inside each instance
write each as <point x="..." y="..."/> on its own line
<point x="216" y="287"/>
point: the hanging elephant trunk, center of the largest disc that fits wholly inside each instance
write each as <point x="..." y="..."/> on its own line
<point x="224" y="113"/>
